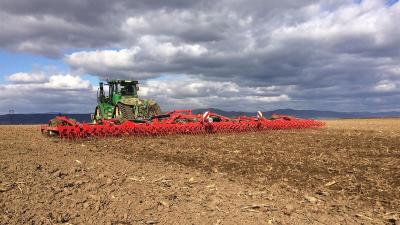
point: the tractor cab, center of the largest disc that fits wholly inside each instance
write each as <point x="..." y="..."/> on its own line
<point x="116" y="90"/>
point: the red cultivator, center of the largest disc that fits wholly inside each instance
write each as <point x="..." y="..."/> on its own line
<point x="175" y="122"/>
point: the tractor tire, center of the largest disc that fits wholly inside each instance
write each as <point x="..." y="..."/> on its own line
<point x="97" y="114"/>
<point x="123" y="112"/>
<point x="154" y="110"/>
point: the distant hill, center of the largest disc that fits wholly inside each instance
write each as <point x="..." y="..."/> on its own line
<point x="39" y="118"/>
<point x="43" y="118"/>
<point x="305" y="113"/>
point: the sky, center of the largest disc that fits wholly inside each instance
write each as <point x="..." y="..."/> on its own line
<point x="242" y="55"/>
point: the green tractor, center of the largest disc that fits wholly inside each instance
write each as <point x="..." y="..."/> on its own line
<point x="123" y="103"/>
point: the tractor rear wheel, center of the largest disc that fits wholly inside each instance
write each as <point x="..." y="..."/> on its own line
<point x="123" y="112"/>
<point x="154" y="110"/>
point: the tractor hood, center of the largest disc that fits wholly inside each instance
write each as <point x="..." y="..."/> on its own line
<point x="134" y="101"/>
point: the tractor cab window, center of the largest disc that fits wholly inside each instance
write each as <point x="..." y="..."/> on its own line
<point x="117" y="88"/>
<point x="124" y="89"/>
<point x="114" y="89"/>
<point x="128" y="89"/>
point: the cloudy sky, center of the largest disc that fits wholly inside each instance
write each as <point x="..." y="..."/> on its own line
<point x="242" y="55"/>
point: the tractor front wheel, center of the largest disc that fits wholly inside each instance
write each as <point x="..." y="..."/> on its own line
<point x="98" y="115"/>
<point x="117" y="112"/>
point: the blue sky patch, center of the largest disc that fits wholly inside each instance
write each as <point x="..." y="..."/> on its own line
<point x="24" y="62"/>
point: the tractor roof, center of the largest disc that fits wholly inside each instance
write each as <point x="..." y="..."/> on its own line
<point x="122" y="81"/>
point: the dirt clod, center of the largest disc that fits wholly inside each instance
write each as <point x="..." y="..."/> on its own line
<point x="109" y="181"/>
<point x="311" y="199"/>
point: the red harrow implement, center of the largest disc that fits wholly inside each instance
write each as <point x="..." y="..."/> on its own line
<point x="175" y="122"/>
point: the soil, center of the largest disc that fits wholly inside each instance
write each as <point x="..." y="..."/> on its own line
<point x="347" y="173"/>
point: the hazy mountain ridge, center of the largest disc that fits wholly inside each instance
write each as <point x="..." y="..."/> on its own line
<point x="319" y="114"/>
<point x="43" y="118"/>
<point x="39" y="118"/>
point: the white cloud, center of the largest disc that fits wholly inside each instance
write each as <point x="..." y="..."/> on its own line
<point x="267" y="99"/>
<point x="27" y="77"/>
<point x="40" y="80"/>
<point x="165" y="50"/>
<point x="385" y="85"/>
<point x="57" y="93"/>
<point x="133" y="62"/>
<point x="197" y="93"/>
<point x="67" y="82"/>
<point x="109" y="59"/>
<point x="354" y="28"/>
<point x="135" y="23"/>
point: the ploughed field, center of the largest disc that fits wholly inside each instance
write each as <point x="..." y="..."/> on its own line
<point x="347" y="173"/>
